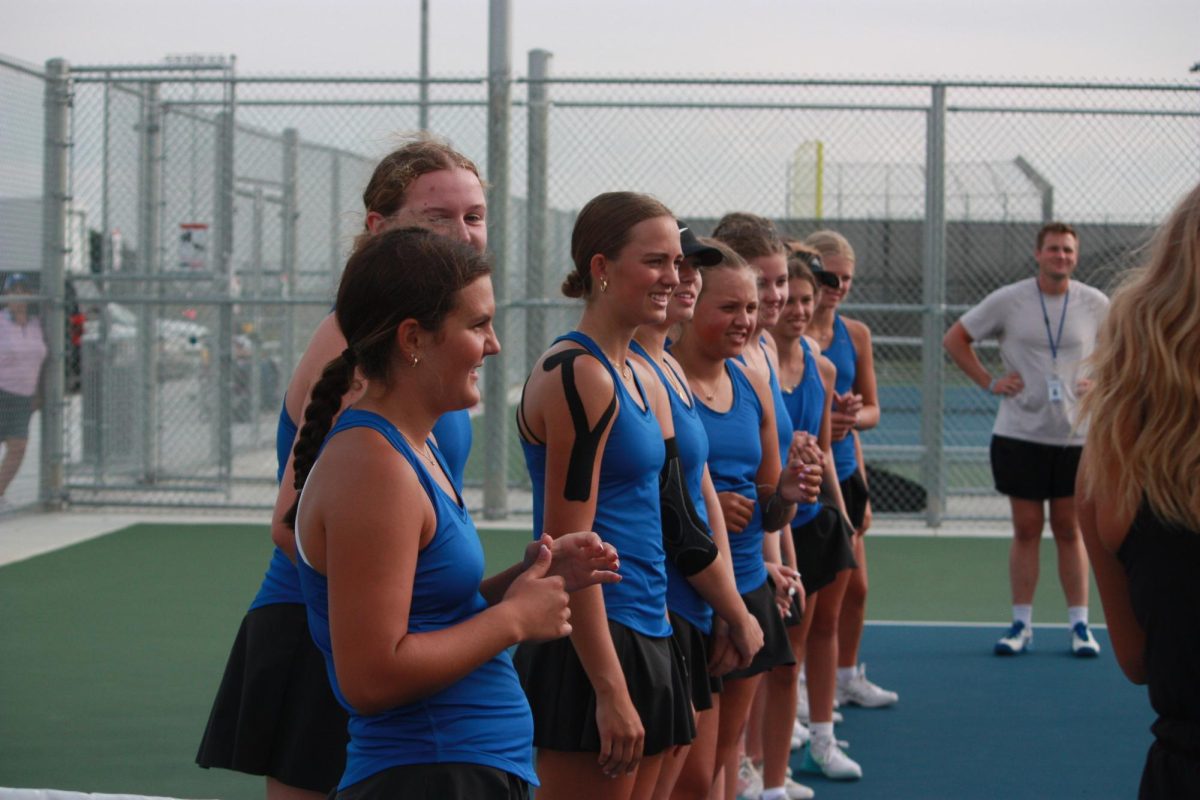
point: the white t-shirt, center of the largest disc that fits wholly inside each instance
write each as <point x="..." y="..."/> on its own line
<point x="1013" y="315"/>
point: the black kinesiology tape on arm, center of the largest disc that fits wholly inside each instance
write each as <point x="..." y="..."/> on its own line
<point x="686" y="539"/>
<point x="580" y="468"/>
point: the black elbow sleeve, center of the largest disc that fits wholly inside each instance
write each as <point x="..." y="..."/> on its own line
<point x="686" y="539"/>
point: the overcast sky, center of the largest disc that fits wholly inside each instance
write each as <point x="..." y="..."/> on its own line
<point x="1078" y="39"/>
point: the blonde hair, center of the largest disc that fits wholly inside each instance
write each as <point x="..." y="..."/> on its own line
<point x="830" y="243"/>
<point x="1144" y="406"/>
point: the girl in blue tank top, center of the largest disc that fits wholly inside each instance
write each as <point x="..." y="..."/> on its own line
<point x="444" y="726"/>
<point x="844" y="356"/>
<point x="613" y="698"/>
<point x="413" y="640"/>
<point x="692" y="442"/>
<point x="257" y="730"/>
<point x="692" y="600"/>
<point x="820" y="536"/>
<point x="627" y="504"/>
<point x="756" y="240"/>
<point x="736" y="407"/>
<point x="855" y="407"/>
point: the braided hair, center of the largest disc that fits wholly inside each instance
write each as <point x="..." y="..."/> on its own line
<point x="402" y="274"/>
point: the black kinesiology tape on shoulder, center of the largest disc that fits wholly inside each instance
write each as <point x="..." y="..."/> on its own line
<point x="578" y="485"/>
<point x="686" y="539"/>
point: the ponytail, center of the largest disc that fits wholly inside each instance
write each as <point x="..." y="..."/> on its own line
<point x="323" y="406"/>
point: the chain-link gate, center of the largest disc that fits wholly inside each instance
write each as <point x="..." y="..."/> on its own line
<point x="207" y="217"/>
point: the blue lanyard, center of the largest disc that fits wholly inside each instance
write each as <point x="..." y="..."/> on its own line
<point x="1055" y="341"/>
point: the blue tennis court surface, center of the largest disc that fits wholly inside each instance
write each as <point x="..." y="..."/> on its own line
<point x="973" y="725"/>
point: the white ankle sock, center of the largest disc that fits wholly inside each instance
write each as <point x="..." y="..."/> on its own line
<point x="1077" y="614"/>
<point x="774" y="793"/>
<point x="822" y="730"/>
<point x="1023" y="613"/>
<point x="846" y="674"/>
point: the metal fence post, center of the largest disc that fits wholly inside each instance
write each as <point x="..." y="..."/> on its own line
<point x="495" y="408"/>
<point x="289" y="215"/>
<point x="54" y="216"/>
<point x="423" y="108"/>
<point x="536" y="211"/>
<point x="149" y="221"/>
<point x="934" y="298"/>
<point x="223" y="269"/>
<point x="335" y="220"/>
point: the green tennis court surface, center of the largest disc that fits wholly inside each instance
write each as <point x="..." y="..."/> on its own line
<point x="113" y="649"/>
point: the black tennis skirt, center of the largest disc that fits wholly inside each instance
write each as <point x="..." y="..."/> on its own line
<point x="695" y="645"/>
<point x="776" y="650"/>
<point x="823" y="548"/>
<point x="564" y="704"/>
<point x="275" y="713"/>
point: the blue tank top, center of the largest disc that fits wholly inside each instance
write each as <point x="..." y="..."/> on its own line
<point x="783" y="421"/>
<point x="281" y="584"/>
<point x="843" y="355"/>
<point x="481" y="719"/>
<point x="692" y="442"/>
<point x="805" y="405"/>
<point x="734" y="454"/>
<point x="453" y="434"/>
<point x="628" y="515"/>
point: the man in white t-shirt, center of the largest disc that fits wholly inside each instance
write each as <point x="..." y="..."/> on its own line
<point x="1046" y="326"/>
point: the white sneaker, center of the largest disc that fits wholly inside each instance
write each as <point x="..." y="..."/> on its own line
<point x="796" y="791"/>
<point x="1083" y="644"/>
<point x="861" y="692"/>
<point x="1019" y="639"/>
<point x="749" y="781"/>
<point x="826" y="758"/>
<point x="800" y="735"/>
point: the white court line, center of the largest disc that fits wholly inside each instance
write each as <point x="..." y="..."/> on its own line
<point x="947" y="624"/>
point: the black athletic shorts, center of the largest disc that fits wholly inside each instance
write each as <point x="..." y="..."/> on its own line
<point x="854" y="492"/>
<point x="1032" y="471"/>
<point x="15" y="411"/>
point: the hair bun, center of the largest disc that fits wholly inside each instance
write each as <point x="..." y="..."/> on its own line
<point x="574" y="285"/>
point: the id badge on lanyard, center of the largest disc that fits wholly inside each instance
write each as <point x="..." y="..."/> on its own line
<point x="1054" y="384"/>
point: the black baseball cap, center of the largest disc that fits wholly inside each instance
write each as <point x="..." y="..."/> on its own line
<point x="823" y="276"/>
<point x="702" y="254"/>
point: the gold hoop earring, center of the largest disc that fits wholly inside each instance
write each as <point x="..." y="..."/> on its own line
<point x="603" y="285"/>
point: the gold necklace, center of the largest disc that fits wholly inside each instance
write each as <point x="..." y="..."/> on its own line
<point x="425" y="452"/>
<point x="624" y="368"/>
<point x="706" y="394"/>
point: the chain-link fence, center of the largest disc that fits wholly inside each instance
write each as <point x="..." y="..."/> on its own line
<point x="208" y="216"/>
